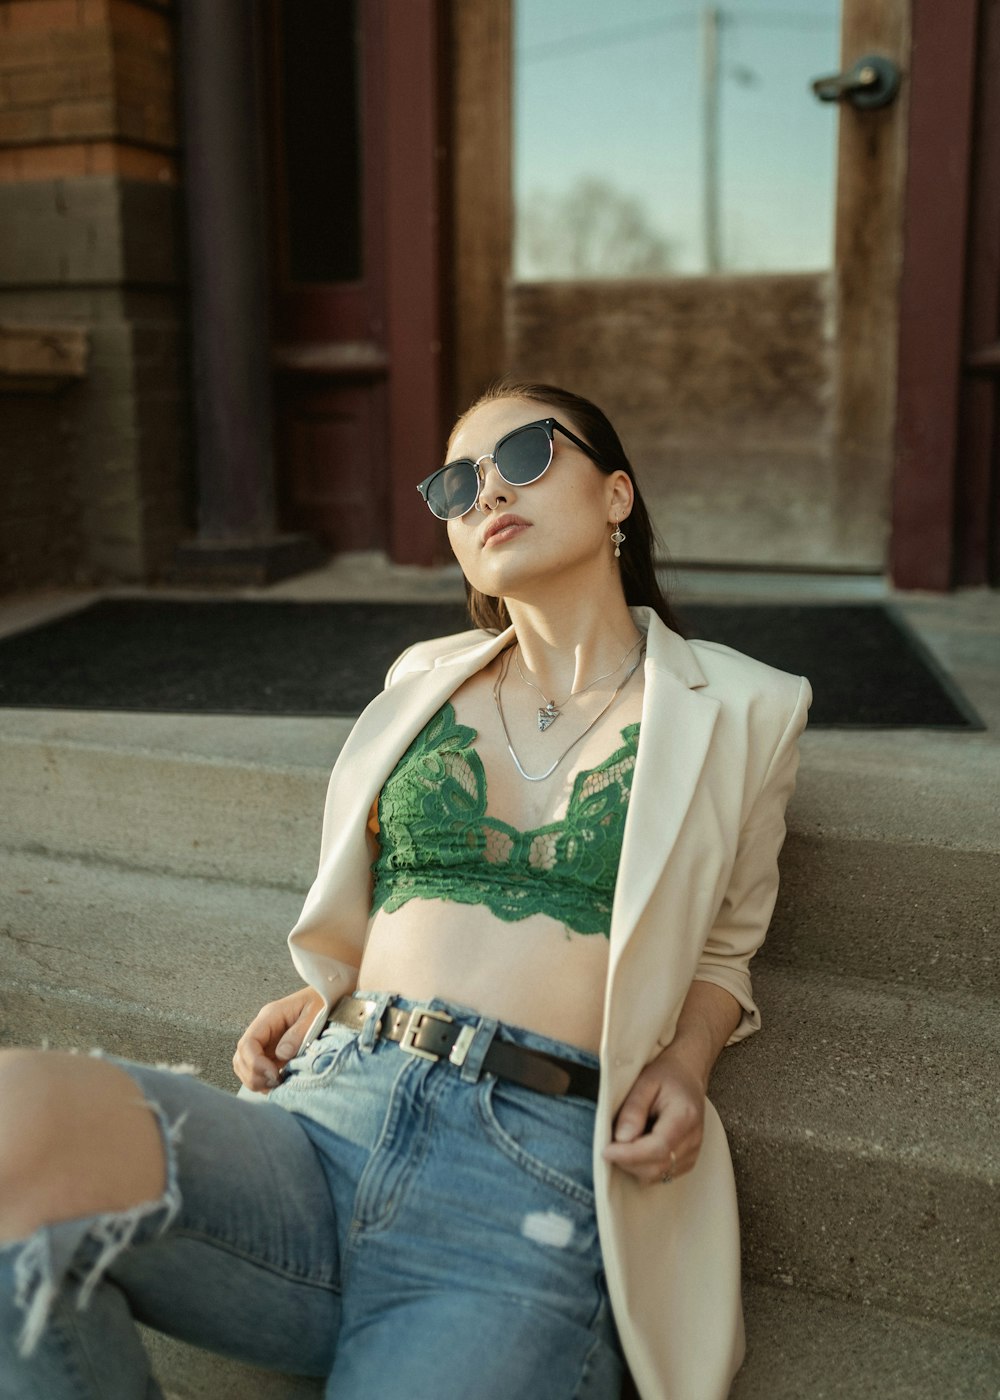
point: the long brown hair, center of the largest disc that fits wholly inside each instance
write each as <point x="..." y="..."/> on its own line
<point x="638" y="571"/>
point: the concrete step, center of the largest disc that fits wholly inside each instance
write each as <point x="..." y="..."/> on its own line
<point x="863" y="1119"/>
<point x="141" y="964"/>
<point x="231" y="798"/>
<point x="799" y="1347"/>
<point x="863" y="1123"/>
<point x="890" y="869"/>
<point x="806" y="1347"/>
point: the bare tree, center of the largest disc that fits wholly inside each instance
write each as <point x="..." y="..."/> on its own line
<point x="591" y="230"/>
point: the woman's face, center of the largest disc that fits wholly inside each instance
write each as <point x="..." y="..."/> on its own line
<point x="553" y="528"/>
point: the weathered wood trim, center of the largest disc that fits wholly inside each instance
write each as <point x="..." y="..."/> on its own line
<point x="482" y="200"/>
<point x="871" y="178"/>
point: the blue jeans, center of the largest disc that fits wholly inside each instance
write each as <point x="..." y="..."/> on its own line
<point x="380" y="1219"/>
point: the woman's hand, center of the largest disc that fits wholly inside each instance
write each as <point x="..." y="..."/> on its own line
<point x="274" y="1037"/>
<point x="658" y="1130"/>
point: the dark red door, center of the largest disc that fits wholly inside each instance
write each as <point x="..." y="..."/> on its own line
<point x="328" y="333"/>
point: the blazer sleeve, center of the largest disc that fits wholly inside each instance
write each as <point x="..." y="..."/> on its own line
<point x="745" y="913"/>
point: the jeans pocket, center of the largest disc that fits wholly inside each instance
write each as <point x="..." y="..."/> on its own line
<point x="323" y="1059"/>
<point x="549" y="1137"/>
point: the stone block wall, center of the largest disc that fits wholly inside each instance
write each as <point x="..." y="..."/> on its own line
<point x="723" y="391"/>
<point x="93" y="469"/>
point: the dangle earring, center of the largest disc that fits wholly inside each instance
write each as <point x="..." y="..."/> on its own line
<point x="618" y="539"/>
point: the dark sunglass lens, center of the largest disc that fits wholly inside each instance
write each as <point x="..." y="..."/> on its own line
<point x="523" y="456"/>
<point x="453" y="491"/>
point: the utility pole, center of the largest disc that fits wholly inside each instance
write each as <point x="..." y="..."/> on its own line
<point x="711" y="24"/>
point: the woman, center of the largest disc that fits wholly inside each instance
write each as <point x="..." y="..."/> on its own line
<point x="485" y="1161"/>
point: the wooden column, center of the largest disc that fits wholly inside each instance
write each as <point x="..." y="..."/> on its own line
<point x="238" y="538"/>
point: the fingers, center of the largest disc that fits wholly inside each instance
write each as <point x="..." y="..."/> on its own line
<point x="252" y="1065"/>
<point x="257" y="1061"/>
<point x="635" y="1112"/>
<point x="291" y="1042"/>
<point x="656" y="1156"/>
<point x="658" y="1131"/>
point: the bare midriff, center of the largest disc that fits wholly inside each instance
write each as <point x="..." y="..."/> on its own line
<point x="533" y="972"/>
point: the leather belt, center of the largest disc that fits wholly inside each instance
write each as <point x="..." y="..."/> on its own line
<point x="434" y="1035"/>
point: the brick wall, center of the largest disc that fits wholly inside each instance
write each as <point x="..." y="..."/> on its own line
<point x="95" y="468"/>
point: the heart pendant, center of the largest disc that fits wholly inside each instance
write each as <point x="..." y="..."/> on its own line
<point x="547" y="716"/>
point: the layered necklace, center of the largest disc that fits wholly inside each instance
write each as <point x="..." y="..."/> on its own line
<point x="551" y="711"/>
<point x="498" y="702"/>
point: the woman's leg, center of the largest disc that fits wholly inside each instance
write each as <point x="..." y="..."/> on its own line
<point x="129" y="1193"/>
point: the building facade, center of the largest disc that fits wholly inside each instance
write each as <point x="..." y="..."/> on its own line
<point x="256" y="254"/>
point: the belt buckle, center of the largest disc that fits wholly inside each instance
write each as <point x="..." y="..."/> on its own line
<point x="408" y="1039"/>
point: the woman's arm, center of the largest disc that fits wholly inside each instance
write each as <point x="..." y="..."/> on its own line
<point x="659" y="1127"/>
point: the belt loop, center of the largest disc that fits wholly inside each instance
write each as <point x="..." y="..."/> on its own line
<point x="472" y="1066"/>
<point x="376" y="1010"/>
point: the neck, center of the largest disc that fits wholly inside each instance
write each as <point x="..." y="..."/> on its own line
<point x="565" y="647"/>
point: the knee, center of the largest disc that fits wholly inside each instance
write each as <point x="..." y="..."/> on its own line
<point x="75" y="1139"/>
<point x="30" y="1144"/>
<point x="27" y="1132"/>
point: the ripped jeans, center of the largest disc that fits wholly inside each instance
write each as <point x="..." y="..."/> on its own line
<point x="379" y="1220"/>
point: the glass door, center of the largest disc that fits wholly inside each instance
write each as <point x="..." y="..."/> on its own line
<point x="707" y="250"/>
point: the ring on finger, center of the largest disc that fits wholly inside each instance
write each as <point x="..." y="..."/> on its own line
<point x="668" y="1175"/>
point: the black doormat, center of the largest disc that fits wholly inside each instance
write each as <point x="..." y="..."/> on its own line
<point x="280" y="658"/>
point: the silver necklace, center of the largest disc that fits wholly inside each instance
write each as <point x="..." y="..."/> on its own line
<point x="540" y="777"/>
<point x="551" y="711"/>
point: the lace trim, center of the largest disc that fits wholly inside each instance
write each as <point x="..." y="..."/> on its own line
<point x="437" y="841"/>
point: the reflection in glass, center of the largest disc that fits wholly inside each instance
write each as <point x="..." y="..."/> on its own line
<point x="671" y="137"/>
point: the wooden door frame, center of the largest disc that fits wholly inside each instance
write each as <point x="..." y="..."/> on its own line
<point x="978" y="455"/>
<point x="925" y="523"/>
<point x="863" y="413"/>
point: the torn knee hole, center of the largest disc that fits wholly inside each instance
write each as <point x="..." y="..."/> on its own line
<point x="78" y="1253"/>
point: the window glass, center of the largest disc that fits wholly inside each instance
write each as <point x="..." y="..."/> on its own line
<point x="657" y="138"/>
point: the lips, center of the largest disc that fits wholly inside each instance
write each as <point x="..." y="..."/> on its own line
<point x="504" y="527"/>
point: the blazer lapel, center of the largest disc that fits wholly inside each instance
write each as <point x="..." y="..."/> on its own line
<point x="677" y="726"/>
<point x="382" y="734"/>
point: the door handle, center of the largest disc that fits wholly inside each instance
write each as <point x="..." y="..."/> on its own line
<point x="872" y="82"/>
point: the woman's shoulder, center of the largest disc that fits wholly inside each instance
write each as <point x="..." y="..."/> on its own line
<point x="423" y="656"/>
<point x="743" y="683"/>
<point x="721" y="663"/>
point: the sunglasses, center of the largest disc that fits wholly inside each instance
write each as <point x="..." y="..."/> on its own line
<point x="521" y="457"/>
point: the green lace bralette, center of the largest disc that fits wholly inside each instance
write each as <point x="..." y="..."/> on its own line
<point x="437" y="841"/>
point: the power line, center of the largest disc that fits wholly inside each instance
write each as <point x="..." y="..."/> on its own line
<point x="629" y="33"/>
<point x="599" y="38"/>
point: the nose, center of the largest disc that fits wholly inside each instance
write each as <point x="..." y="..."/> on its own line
<point x="492" y="487"/>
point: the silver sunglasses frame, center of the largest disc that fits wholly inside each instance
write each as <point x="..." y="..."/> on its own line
<point x="551" y="426"/>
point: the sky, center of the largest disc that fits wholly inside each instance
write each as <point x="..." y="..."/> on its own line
<point x="614" y="90"/>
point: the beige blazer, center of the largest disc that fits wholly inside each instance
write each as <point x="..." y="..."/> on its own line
<point x="696" y="886"/>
